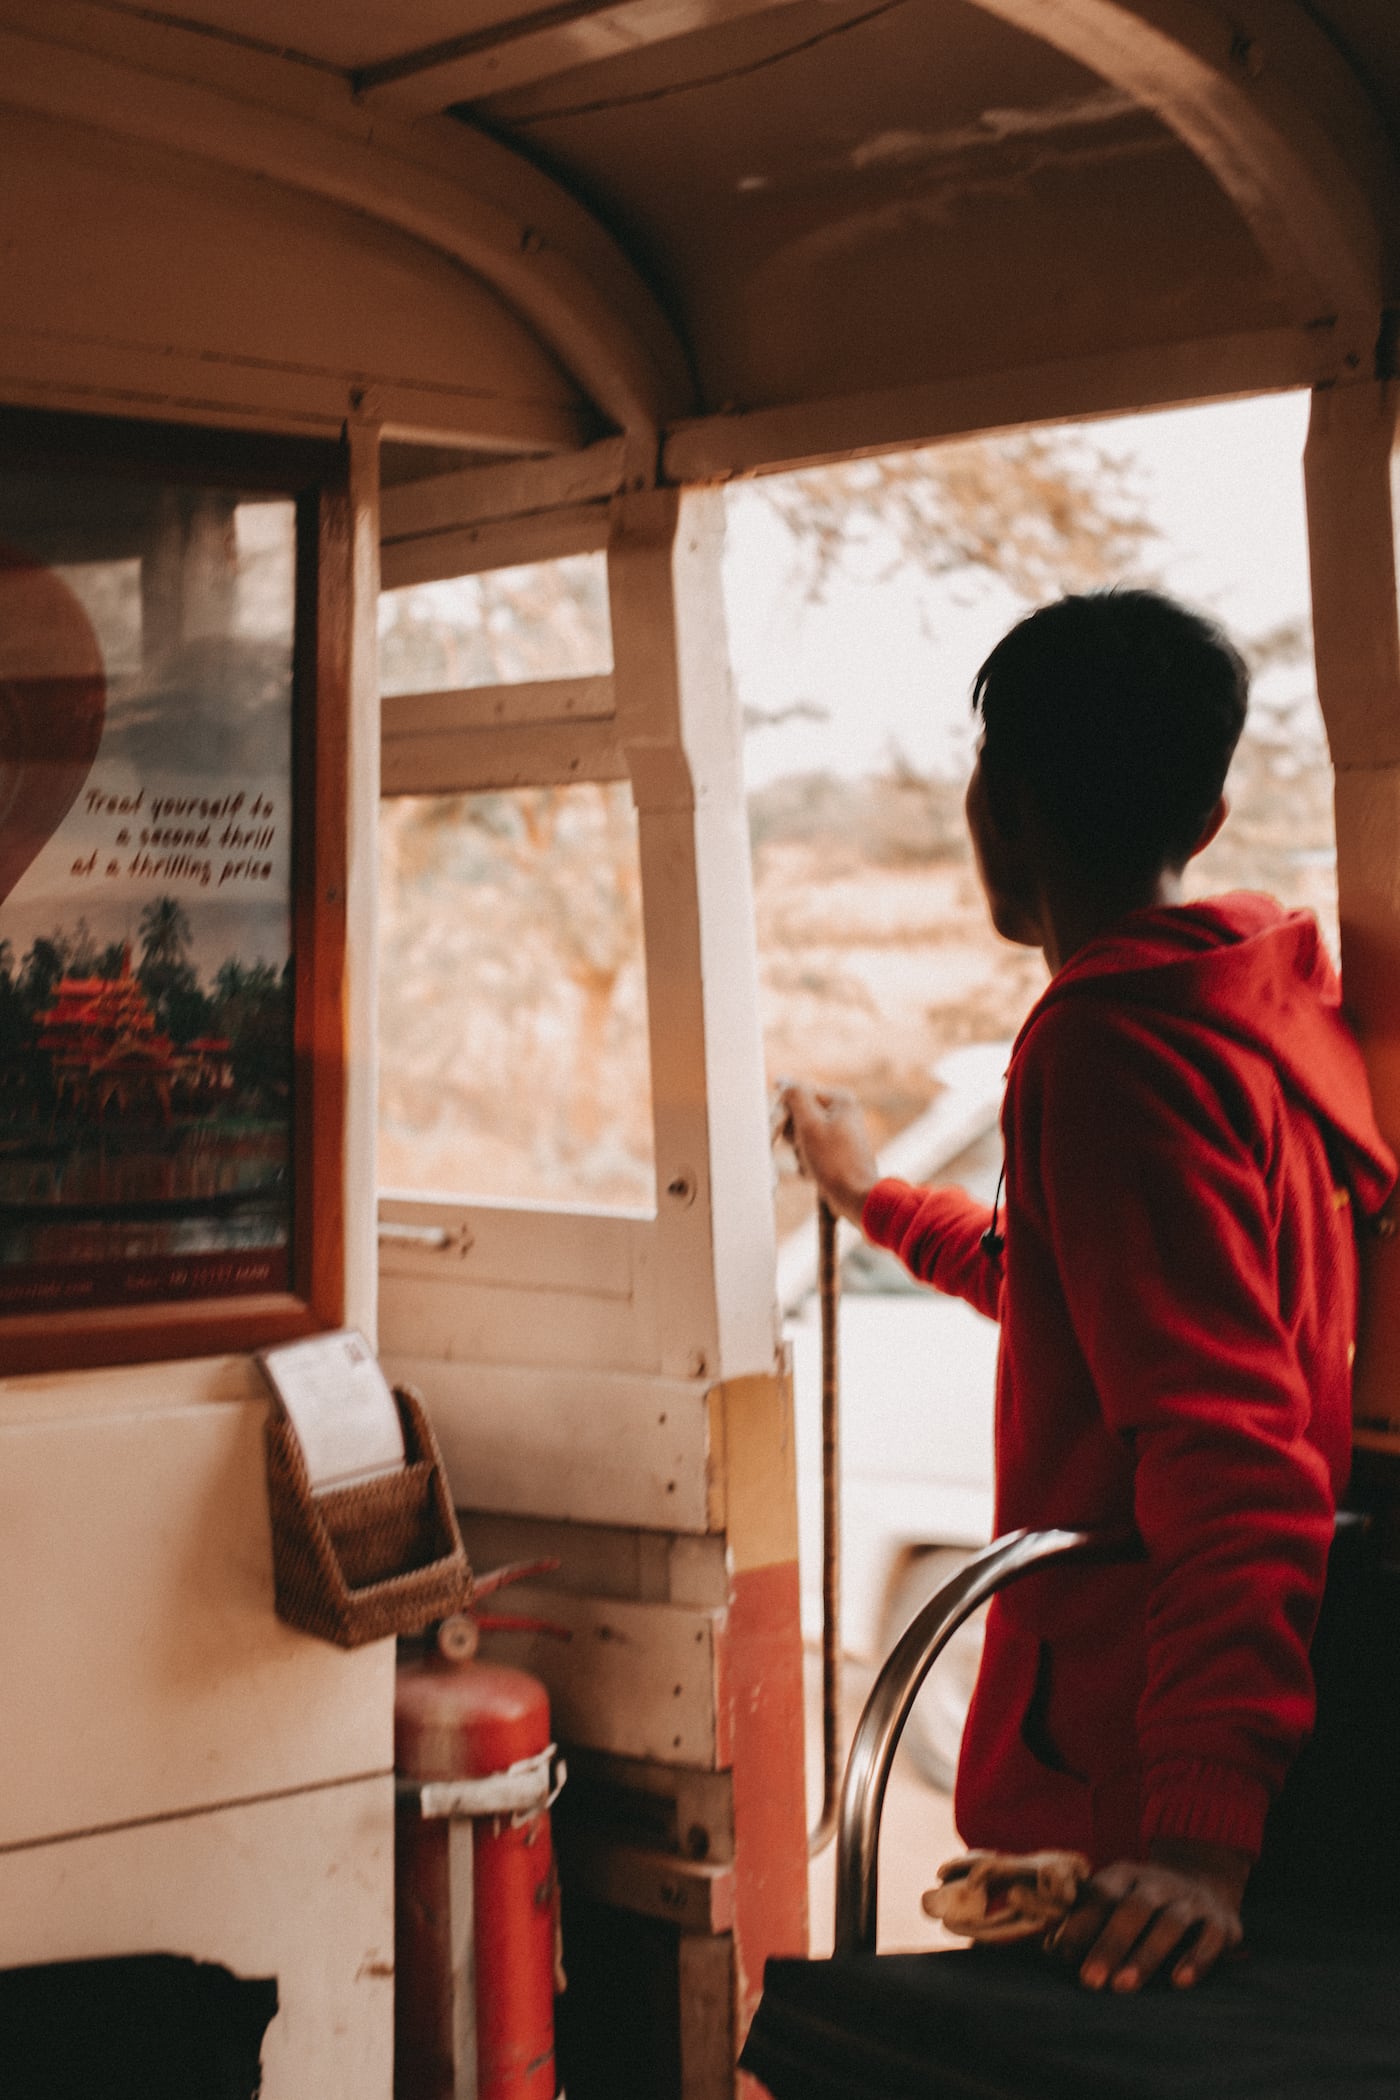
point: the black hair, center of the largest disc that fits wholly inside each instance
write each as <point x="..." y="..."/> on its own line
<point x="1117" y="713"/>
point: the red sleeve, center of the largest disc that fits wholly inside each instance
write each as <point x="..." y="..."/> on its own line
<point x="937" y="1234"/>
<point x="1158" y="1213"/>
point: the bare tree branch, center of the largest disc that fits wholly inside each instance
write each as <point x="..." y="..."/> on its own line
<point x="1046" y="511"/>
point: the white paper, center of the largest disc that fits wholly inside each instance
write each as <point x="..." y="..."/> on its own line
<point x="339" y="1403"/>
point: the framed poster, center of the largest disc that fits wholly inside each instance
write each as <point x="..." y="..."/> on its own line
<point x="169" y="671"/>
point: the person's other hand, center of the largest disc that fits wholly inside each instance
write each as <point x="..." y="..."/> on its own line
<point x="1182" y="1908"/>
<point x="827" y="1132"/>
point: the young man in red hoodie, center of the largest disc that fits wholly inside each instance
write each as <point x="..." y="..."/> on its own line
<point x="1189" y="1150"/>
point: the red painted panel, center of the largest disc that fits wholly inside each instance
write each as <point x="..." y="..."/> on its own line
<point x="760" y="1727"/>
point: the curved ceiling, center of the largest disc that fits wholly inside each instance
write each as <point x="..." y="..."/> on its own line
<point x="830" y="196"/>
<point x="845" y="199"/>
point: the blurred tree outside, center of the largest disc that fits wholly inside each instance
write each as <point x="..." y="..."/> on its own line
<point x="513" y="1006"/>
<point x="1280" y="835"/>
<point x="1046" y="511"/>
<point x="542" y="620"/>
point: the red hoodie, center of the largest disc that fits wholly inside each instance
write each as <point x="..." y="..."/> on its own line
<point x="1189" y="1137"/>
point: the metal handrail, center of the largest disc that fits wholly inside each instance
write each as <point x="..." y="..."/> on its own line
<point x="892" y="1697"/>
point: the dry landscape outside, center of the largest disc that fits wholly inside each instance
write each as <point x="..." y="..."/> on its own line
<point x="513" y="1022"/>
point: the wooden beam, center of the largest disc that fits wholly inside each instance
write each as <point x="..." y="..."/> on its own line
<point x="525" y="1247"/>
<point x="679" y="1809"/>
<point x="707" y="2017"/>
<point x="594" y="1446"/>
<point x="359" y="1289"/>
<point x="1351" y="461"/>
<point x="545" y="42"/>
<point x="1265" y="101"/>
<point x="696" y="1895"/>
<point x="1348" y="464"/>
<point x="539" y="754"/>
<point x="199" y="1381"/>
<point x="484" y="495"/>
<point x="1159" y="375"/>
<point x="637" y="1680"/>
<point x="503" y="543"/>
<point x="44" y="371"/>
<point x="604" y="1560"/>
<point x="477" y="707"/>
<point x="517" y="1246"/>
<point x="677" y="720"/>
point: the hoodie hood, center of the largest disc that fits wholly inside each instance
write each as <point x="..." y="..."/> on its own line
<point x="1249" y="970"/>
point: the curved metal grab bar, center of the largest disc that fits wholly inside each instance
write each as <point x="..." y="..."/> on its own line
<point x="887" y="1709"/>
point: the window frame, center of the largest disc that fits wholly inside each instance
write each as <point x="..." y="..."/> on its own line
<point x="315" y="475"/>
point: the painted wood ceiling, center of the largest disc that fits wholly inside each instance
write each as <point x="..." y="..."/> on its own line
<point x="829" y="199"/>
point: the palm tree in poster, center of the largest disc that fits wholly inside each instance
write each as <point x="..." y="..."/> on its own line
<point x="164" y="927"/>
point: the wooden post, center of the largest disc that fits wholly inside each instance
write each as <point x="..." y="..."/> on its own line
<point x="1351" y="465"/>
<point x="714" y="1250"/>
<point x="678" y="726"/>
<point x="361" y="1256"/>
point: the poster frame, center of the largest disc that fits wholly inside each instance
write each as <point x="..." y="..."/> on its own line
<point x="314" y="473"/>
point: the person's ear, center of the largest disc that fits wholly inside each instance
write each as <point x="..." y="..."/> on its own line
<point x="1009" y="879"/>
<point x="1211" y="828"/>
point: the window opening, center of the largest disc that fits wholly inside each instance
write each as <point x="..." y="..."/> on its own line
<point x="540" y="620"/>
<point x="513" y="1028"/>
<point x="861" y="600"/>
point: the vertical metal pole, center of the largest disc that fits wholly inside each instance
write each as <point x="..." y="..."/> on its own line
<point x="828" y="1283"/>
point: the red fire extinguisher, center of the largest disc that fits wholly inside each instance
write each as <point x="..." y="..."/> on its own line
<point x="478" y="1898"/>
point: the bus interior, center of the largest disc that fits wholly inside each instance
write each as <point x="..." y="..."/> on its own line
<point x="309" y="306"/>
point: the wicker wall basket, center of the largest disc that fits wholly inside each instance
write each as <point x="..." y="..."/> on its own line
<point x="357" y="1564"/>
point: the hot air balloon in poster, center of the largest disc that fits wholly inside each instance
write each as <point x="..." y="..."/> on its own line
<point x="53" y="701"/>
